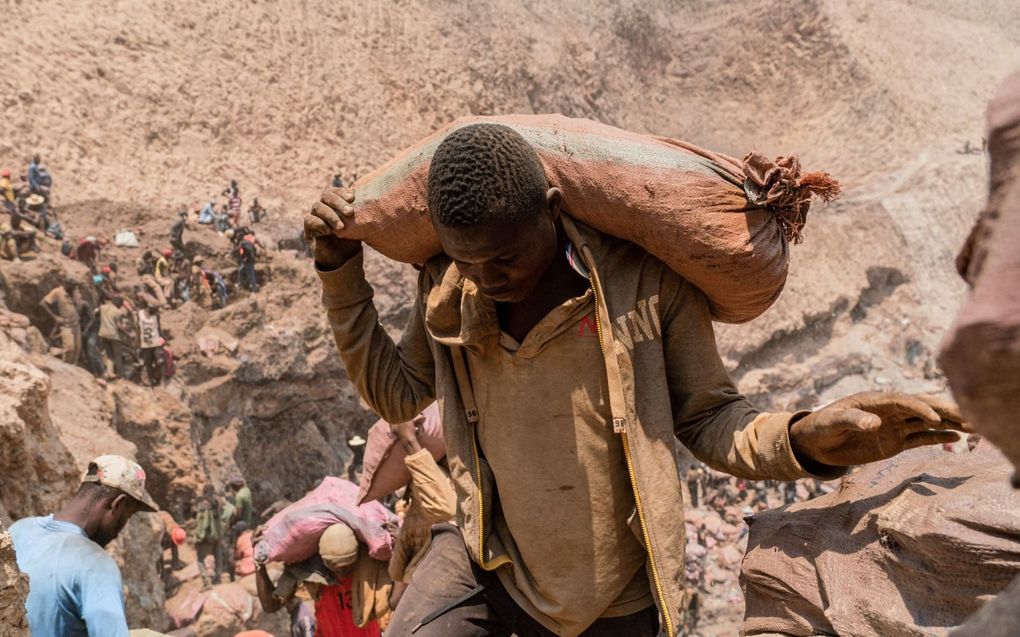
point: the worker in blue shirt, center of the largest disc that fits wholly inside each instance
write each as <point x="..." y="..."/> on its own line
<point x="74" y="586"/>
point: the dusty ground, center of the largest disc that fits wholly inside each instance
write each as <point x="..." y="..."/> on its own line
<point x="138" y="107"/>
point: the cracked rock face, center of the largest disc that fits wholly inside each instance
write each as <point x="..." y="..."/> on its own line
<point x="136" y="551"/>
<point x="13" y="590"/>
<point x="36" y="470"/>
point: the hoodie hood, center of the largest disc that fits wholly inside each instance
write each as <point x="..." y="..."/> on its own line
<point x="456" y="313"/>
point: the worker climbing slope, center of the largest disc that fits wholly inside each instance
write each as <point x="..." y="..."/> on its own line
<point x="543" y="415"/>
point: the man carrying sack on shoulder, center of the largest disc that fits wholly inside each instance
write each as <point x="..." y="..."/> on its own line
<point x="568" y="364"/>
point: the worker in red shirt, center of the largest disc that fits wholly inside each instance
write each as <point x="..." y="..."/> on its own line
<point x="342" y="579"/>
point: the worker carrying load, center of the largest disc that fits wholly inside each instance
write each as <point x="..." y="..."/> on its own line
<point x="337" y="551"/>
<point x="567" y="363"/>
<point x="410" y="456"/>
<point x="349" y="588"/>
<point x="385" y="468"/>
<point x="291" y="535"/>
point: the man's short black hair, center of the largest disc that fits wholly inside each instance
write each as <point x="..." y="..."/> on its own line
<point x="485" y="173"/>
<point x="96" y="492"/>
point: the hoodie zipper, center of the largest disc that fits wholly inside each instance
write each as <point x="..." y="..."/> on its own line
<point x="503" y="559"/>
<point x="621" y="429"/>
<point x="471" y="413"/>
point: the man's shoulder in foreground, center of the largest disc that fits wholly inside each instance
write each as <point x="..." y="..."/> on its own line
<point x="74" y="586"/>
<point x="40" y="540"/>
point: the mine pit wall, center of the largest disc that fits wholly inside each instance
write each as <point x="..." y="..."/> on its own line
<point x="282" y="431"/>
<point x="282" y="436"/>
<point x="279" y="408"/>
<point x="13" y="590"/>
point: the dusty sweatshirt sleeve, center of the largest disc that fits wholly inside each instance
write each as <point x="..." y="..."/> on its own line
<point x="712" y="418"/>
<point x="433" y="491"/>
<point x="396" y="380"/>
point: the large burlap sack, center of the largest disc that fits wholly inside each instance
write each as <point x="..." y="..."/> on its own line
<point x="724" y="225"/>
<point x="292" y="535"/>
<point x="905" y="548"/>
<point x="383" y="470"/>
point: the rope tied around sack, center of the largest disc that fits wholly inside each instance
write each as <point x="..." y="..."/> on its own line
<point x="779" y="187"/>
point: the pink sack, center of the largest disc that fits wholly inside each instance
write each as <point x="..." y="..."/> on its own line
<point x="292" y="535"/>
<point x="383" y="470"/>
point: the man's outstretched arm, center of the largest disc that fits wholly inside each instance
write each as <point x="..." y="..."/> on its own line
<point x="726" y="432"/>
<point x="397" y="381"/>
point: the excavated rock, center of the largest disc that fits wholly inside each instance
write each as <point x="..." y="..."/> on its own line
<point x="24" y="283"/>
<point x="137" y="550"/>
<point x="81" y="409"/>
<point x="160" y="426"/>
<point x="222" y="611"/>
<point x="36" y="470"/>
<point x="20" y="329"/>
<point x="13" y="590"/>
<point x="273" y="380"/>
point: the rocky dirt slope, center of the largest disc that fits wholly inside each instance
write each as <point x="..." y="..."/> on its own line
<point x="13" y="590"/>
<point x="140" y="108"/>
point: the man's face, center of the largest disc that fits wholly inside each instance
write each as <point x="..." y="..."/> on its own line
<point x="505" y="260"/>
<point x="115" y="516"/>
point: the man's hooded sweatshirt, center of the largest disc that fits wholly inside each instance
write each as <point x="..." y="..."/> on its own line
<point x="586" y="428"/>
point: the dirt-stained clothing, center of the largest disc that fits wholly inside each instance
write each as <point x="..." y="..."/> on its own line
<point x="479" y="605"/>
<point x="664" y="380"/>
<point x="577" y="474"/>
<point x="68" y="328"/>
<point x="433" y="501"/>
<point x="201" y="291"/>
<point x="157" y="291"/>
<point x="112" y="322"/>
<point x="7" y="190"/>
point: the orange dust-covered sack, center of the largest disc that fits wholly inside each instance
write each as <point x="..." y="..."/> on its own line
<point x="724" y="225"/>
